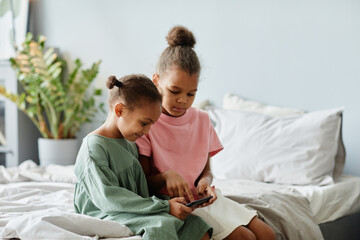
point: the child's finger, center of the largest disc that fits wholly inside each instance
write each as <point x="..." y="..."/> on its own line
<point x="201" y="189"/>
<point x="171" y="193"/>
<point x="212" y="192"/>
<point x="181" y="191"/>
<point x="180" y="200"/>
<point x="187" y="209"/>
<point x="205" y="204"/>
<point x="189" y="193"/>
<point x="176" y="192"/>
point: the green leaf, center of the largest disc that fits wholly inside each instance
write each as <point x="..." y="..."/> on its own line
<point x="28" y="37"/>
<point x="46" y="98"/>
<point x="50" y="59"/>
<point x="56" y="73"/>
<point x="98" y="92"/>
<point x="48" y="53"/>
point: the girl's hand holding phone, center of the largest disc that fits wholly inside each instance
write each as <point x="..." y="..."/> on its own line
<point x="204" y="189"/>
<point x="177" y="186"/>
<point x="178" y="208"/>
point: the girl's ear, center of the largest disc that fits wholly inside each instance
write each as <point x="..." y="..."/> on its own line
<point x="119" y="109"/>
<point x="155" y="79"/>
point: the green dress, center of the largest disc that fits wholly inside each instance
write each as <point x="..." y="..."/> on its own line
<point x="112" y="185"/>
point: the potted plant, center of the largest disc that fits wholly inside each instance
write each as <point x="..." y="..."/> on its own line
<point x="58" y="103"/>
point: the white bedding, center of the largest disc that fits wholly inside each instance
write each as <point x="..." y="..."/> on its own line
<point x="327" y="203"/>
<point x="37" y="203"/>
<point x="47" y="213"/>
<point x="331" y="202"/>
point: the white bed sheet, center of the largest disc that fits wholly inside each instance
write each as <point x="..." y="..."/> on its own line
<point x="331" y="202"/>
<point x="327" y="203"/>
<point x="37" y="203"/>
<point x="25" y="211"/>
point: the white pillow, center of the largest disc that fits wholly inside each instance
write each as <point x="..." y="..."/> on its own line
<point x="234" y="102"/>
<point x="296" y="149"/>
<point x="202" y="104"/>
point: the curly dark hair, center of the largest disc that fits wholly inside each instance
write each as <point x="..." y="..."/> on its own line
<point x="180" y="52"/>
<point x="133" y="89"/>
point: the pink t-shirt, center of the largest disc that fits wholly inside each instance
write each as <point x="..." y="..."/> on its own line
<point x="181" y="144"/>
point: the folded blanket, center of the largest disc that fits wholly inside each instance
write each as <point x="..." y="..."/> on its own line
<point x="285" y="210"/>
<point x="30" y="171"/>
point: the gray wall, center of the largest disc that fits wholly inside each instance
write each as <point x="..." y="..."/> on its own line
<point x="303" y="54"/>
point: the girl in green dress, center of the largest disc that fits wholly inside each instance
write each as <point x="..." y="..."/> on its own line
<point x="110" y="181"/>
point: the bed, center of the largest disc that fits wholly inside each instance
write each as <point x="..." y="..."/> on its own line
<point x="37" y="203"/>
<point x="312" y="199"/>
<point x="286" y="152"/>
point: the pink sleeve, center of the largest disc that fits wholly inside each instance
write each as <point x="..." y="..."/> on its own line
<point x="215" y="145"/>
<point x="144" y="145"/>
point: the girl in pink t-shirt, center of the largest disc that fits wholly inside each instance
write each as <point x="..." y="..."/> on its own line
<point x="175" y="154"/>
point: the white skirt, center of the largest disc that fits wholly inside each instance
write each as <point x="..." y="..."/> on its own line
<point x="225" y="215"/>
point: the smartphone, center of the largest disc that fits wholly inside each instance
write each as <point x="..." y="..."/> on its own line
<point x="199" y="202"/>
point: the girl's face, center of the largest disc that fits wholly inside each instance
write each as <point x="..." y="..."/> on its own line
<point x="132" y="124"/>
<point x="178" y="89"/>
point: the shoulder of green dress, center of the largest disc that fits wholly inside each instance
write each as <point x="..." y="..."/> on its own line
<point x="98" y="149"/>
<point x="133" y="148"/>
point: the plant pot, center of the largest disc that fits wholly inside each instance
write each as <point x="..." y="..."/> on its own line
<point x="60" y="152"/>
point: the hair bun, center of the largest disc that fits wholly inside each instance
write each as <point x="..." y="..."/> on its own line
<point x="111" y="82"/>
<point x="180" y="36"/>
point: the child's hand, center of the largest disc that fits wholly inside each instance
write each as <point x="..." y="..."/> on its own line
<point x="178" y="208"/>
<point x="177" y="186"/>
<point x="204" y="189"/>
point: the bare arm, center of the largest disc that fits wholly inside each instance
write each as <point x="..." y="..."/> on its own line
<point x="203" y="183"/>
<point x="206" y="174"/>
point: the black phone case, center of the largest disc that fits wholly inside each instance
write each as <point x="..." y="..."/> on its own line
<point x="198" y="202"/>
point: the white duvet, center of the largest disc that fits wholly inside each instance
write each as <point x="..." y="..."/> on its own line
<point x="37" y="203"/>
<point x="327" y="203"/>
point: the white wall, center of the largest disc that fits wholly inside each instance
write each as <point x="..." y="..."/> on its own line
<point x="295" y="53"/>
